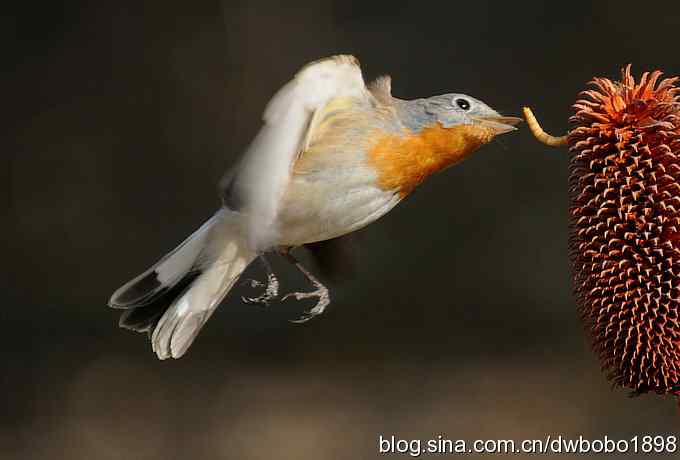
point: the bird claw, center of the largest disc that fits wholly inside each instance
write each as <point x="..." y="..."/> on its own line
<point x="321" y="293"/>
<point x="271" y="291"/>
<point x="252" y="283"/>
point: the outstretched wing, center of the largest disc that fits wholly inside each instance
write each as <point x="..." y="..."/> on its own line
<point x="258" y="183"/>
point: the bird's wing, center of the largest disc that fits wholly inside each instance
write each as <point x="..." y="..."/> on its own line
<point x="261" y="178"/>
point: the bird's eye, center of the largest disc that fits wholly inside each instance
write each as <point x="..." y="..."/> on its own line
<point x="463" y="104"/>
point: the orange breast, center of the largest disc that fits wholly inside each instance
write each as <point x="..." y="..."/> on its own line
<point x="404" y="161"/>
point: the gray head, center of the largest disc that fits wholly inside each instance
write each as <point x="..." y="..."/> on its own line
<point x="455" y="109"/>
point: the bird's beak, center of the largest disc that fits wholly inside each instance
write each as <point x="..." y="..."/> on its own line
<point x="497" y="123"/>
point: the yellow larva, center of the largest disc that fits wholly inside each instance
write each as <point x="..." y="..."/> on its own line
<point x="538" y="132"/>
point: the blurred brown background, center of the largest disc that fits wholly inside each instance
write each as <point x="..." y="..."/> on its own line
<point x="121" y="117"/>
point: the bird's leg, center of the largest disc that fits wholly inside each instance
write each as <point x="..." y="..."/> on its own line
<point x="320" y="291"/>
<point x="271" y="290"/>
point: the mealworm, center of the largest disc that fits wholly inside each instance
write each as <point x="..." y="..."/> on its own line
<point x="538" y="132"/>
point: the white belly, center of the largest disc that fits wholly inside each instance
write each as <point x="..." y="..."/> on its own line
<point x="321" y="205"/>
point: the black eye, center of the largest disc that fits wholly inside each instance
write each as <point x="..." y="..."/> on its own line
<point x="463" y="104"/>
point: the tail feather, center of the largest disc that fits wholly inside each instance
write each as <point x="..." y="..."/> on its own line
<point x="173" y="300"/>
<point x="167" y="272"/>
<point x="144" y="318"/>
<point x="180" y="325"/>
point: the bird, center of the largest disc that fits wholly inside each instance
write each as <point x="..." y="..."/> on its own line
<point x="333" y="155"/>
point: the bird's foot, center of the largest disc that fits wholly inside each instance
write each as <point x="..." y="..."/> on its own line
<point x="271" y="291"/>
<point x="321" y="293"/>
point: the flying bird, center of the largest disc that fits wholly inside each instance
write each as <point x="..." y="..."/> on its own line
<point x="332" y="156"/>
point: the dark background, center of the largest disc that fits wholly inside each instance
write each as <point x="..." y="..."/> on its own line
<point x="120" y="119"/>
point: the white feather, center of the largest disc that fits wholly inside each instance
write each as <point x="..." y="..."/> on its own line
<point x="226" y="255"/>
<point x="167" y="271"/>
<point x="173" y="268"/>
<point x="264" y="171"/>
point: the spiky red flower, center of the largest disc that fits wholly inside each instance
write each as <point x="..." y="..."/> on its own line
<point x="625" y="227"/>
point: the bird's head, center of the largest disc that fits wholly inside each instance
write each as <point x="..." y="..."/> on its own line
<point x="450" y="110"/>
<point x="440" y="132"/>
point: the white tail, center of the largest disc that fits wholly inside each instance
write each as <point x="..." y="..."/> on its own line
<point x="173" y="299"/>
